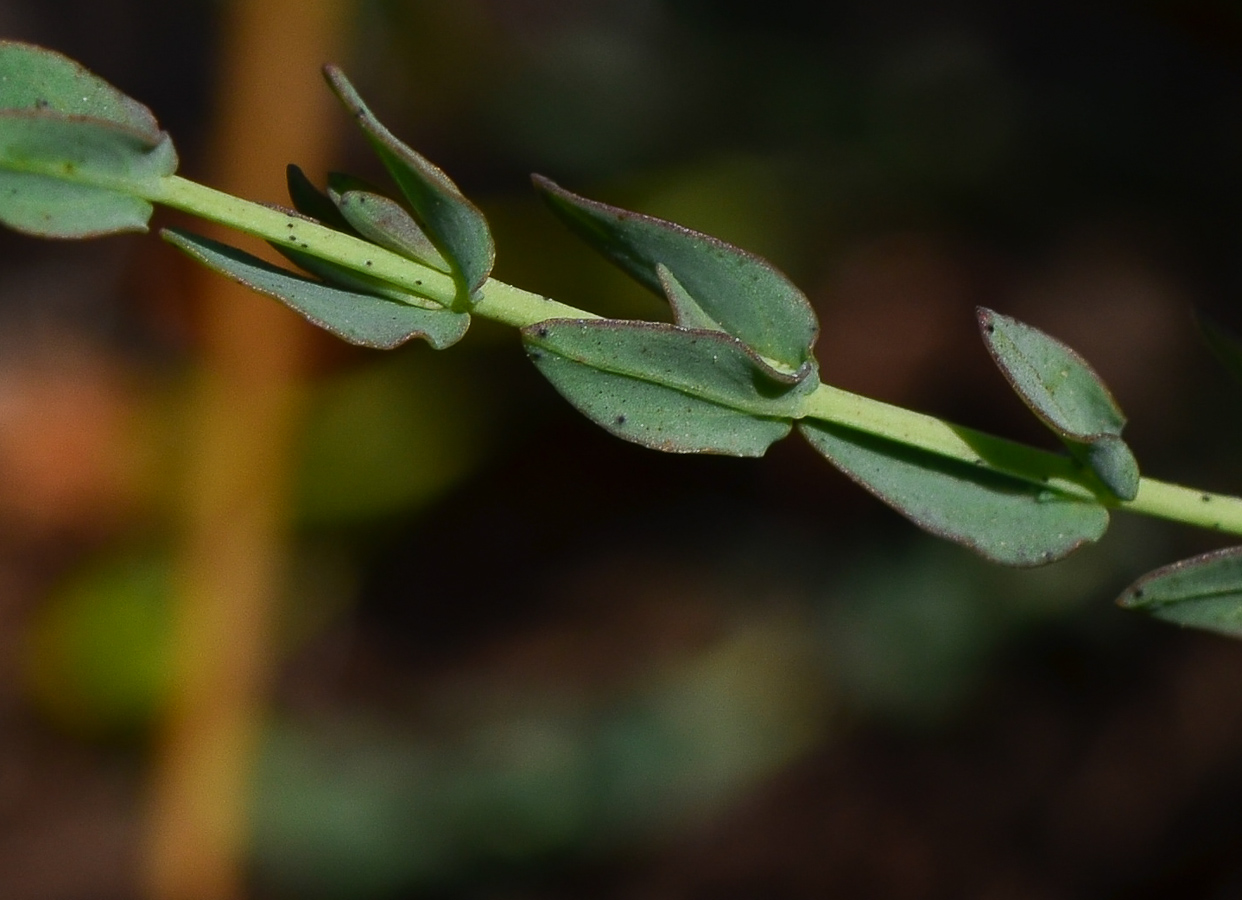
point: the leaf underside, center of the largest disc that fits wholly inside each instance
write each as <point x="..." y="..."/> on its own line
<point x="359" y="318"/>
<point x="743" y="294"/>
<point x="385" y="222"/>
<point x="1203" y="592"/>
<point x="455" y="225"/>
<point x="665" y="387"/>
<point x="1005" y="519"/>
<point x="1067" y="395"/>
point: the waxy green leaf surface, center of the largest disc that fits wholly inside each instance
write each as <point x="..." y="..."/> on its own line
<point x="73" y="150"/>
<point x="359" y="318"/>
<point x="454" y="224"/>
<point x="663" y="386"/>
<point x="745" y="295"/>
<point x="1067" y="395"/>
<point x="385" y="222"/>
<point x="39" y="80"/>
<point x="1203" y="592"/>
<point x="1005" y="519"/>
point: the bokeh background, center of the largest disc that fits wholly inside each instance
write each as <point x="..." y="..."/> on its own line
<point x="281" y="618"/>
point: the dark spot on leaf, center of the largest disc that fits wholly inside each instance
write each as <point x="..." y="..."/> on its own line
<point x="542" y="332"/>
<point x="42" y="103"/>
<point x="418" y="282"/>
<point x="1206" y="498"/>
<point x="620" y="420"/>
<point x="1138" y="593"/>
<point x="990" y="328"/>
<point x="368" y="262"/>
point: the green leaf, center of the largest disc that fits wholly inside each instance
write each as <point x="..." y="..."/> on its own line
<point x="310" y="201"/>
<point x="686" y="312"/>
<point x="454" y="224"/>
<point x="39" y="80"/>
<point x="1067" y="395"/>
<point x="665" y="387"/>
<point x="385" y="222"/>
<point x="1005" y="519"/>
<point x="72" y="177"/>
<point x="359" y="318"/>
<point x="1203" y="592"/>
<point x="746" y="295"/>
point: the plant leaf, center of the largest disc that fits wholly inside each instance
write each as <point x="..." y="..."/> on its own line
<point x="1005" y="519"/>
<point x="454" y="224"/>
<point x="385" y="222"/>
<point x="1203" y="592"/>
<point x="1067" y="395"/>
<point x="310" y="201"/>
<point x="746" y="295"/>
<point x="663" y="386"/>
<point x="686" y="312"/>
<point x="72" y="177"/>
<point x="39" y="80"/>
<point x="359" y="318"/>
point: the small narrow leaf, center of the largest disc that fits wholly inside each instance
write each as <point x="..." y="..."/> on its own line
<point x="385" y="222"/>
<point x="1203" y="592"/>
<point x="72" y="177"/>
<point x="1067" y="395"/>
<point x="663" y="386"/>
<point x="746" y="295"/>
<point x="686" y="312"/>
<point x="310" y="201"/>
<point x="454" y="224"/>
<point x="1005" y="519"/>
<point x="39" y="80"/>
<point x="358" y="318"/>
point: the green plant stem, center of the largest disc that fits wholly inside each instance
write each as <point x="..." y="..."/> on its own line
<point x="514" y="306"/>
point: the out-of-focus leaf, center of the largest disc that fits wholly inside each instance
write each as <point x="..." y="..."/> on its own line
<point x="39" y="80"/>
<point x="99" y="647"/>
<point x="358" y="318"/>
<point x="665" y="387"/>
<point x="747" y="296"/>
<point x="384" y="438"/>
<point x="72" y="177"/>
<point x="1224" y="345"/>
<point x="454" y="224"/>
<point x="1203" y="592"/>
<point x="1005" y="519"/>
<point x="1067" y="395"/>
<point x="385" y="222"/>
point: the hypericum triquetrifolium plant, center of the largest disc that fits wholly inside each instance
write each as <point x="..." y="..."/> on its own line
<point x="733" y="373"/>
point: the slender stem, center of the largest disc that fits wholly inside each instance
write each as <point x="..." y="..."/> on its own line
<point x="499" y="301"/>
<point x="514" y="306"/>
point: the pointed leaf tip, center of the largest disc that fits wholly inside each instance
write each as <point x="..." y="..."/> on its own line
<point x="1202" y="592"/>
<point x="455" y="225"/>
<point x="1067" y="395"/>
<point x="711" y="281"/>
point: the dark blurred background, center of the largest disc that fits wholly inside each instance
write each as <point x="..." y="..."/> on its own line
<point x="503" y="655"/>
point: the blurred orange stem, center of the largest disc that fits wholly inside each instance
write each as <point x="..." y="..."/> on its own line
<point x="235" y="497"/>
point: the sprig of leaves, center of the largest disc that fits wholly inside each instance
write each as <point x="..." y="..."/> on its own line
<point x="732" y="372"/>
